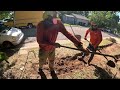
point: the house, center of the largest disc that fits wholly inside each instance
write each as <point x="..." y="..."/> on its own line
<point x="70" y="19"/>
<point x="75" y="19"/>
<point x="81" y="20"/>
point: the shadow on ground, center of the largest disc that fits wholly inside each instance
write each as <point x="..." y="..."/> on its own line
<point x="6" y="66"/>
<point x="11" y="51"/>
<point x="101" y="73"/>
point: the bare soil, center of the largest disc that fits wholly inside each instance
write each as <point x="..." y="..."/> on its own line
<point x="67" y="66"/>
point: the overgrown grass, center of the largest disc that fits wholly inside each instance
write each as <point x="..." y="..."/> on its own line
<point x="105" y="42"/>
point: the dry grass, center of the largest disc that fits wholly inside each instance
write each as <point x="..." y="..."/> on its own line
<point x="105" y="42"/>
<point x="111" y="39"/>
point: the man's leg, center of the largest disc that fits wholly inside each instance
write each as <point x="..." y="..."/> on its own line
<point x="83" y="54"/>
<point x="82" y="57"/>
<point x="42" y="58"/>
<point x="92" y="56"/>
<point x="91" y="48"/>
<point x="42" y="61"/>
<point x="51" y="59"/>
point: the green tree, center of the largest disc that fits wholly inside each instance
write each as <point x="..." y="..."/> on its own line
<point x="118" y="28"/>
<point x="5" y="14"/>
<point x="107" y="19"/>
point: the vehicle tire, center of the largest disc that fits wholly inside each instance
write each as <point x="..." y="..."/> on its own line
<point x="7" y="45"/>
<point x="30" y="25"/>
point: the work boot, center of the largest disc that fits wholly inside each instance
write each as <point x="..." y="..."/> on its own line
<point x="42" y="74"/>
<point x="88" y="64"/>
<point x="53" y="74"/>
<point x="80" y="58"/>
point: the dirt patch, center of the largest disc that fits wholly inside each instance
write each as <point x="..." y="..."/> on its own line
<point x="67" y="65"/>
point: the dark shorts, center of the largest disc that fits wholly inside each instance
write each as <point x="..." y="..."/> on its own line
<point x="91" y="48"/>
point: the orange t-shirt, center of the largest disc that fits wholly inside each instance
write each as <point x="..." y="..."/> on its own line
<point x="95" y="37"/>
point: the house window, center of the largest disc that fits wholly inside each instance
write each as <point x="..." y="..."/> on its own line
<point x="80" y="23"/>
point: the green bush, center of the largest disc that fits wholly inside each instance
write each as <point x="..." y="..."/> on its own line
<point x="3" y="56"/>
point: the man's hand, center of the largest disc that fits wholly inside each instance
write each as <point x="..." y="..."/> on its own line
<point x="85" y="38"/>
<point x="82" y="49"/>
<point x="79" y="46"/>
<point x="57" y="45"/>
<point x="86" y="51"/>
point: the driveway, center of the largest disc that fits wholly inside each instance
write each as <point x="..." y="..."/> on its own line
<point x="31" y="33"/>
<point x="78" y="31"/>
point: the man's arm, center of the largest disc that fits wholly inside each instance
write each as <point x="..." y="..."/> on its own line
<point x="69" y="35"/>
<point x="39" y="34"/>
<point x="77" y="43"/>
<point x="86" y="34"/>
